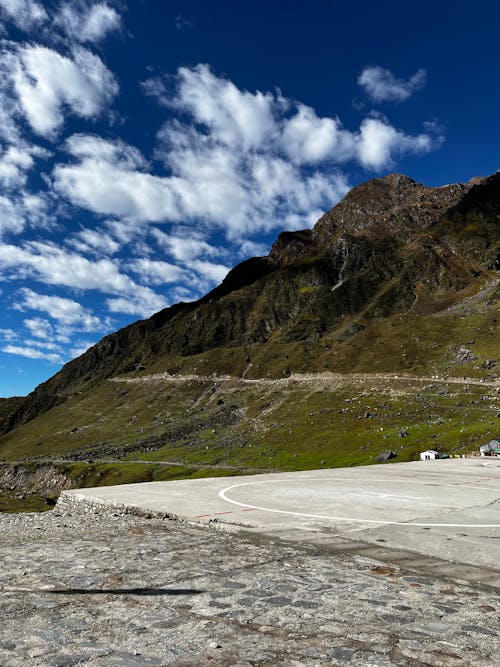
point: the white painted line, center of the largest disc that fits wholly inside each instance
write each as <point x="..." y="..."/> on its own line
<point x="223" y="495"/>
<point x="491" y="465"/>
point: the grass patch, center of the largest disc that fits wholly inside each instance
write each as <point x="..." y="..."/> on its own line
<point x="14" y="502"/>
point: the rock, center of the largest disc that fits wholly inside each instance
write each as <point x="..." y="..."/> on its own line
<point x="385" y="455"/>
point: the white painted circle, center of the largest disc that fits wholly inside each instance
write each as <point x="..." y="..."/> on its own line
<point x="223" y="495"/>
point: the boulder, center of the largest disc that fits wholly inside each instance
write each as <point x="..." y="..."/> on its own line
<point x="385" y="456"/>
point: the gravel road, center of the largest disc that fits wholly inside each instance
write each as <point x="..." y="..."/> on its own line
<point x="110" y="590"/>
<point x="327" y="378"/>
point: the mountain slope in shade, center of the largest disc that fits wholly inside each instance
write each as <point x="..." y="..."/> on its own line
<point x="392" y="248"/>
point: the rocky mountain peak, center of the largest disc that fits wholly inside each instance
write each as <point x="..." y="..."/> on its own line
<point x="393" y="204"/>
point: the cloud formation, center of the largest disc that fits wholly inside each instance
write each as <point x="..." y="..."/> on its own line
<point x="76" y="20"/>
<point x="25" y="14"/>
<point x="51" y="265"/>
<point x="87" y="24"/>
<point x="93" y="228"/>
<point x="238" y="161"/>
<point x="382" y="86"/>
<point x="46" y="84"/>
<point x="33" y="353"/>
<point x="63" y="310"/>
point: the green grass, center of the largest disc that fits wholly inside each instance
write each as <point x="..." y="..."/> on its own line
<point x="238" y="427"/>
<point x="86" y="475"/>
<point x="15" y="502"/>
<point x="244" y="427"/>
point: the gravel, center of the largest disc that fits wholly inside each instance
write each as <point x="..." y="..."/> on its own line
<point x="104" y="589"/>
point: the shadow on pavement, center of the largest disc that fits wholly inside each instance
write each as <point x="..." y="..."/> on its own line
<point x="124" y="591"/>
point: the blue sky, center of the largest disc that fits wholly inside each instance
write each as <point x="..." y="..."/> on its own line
<point x="148" y="146"/>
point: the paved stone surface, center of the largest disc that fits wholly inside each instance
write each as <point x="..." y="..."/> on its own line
<point x="99" y="589"/>
<point x="447" y="509"/>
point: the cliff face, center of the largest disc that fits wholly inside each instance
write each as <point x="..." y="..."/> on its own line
<point x="390" y="246"/>
<point x="392" y="205"/>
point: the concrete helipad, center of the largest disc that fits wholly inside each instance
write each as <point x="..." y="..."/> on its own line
<point x="447" y="509"/>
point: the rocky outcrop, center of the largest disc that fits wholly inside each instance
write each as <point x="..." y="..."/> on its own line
<point x="394" y="205"/>
<point x="34" y="478"/>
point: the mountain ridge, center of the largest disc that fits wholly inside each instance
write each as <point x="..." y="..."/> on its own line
<point x="391" y="246"/>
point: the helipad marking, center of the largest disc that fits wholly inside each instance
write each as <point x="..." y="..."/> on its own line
<point x="223" y="495"/>
<point x="491" y="465"/>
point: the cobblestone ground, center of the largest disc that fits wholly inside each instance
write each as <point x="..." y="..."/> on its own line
<point x="127" y="591"/>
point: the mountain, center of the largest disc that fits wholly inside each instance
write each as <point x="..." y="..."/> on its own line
<point x="396" y="277"/>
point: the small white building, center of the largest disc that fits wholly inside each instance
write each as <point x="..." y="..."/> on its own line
<point x="491" y="448"/>
<point x="429" y="455"/>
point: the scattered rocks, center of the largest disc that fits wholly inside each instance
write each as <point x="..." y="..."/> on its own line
<point x="463" y="355"/>
<point x="385" y="455"/>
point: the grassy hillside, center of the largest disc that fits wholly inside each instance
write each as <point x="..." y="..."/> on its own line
<point x="269" y="421"/>
<point x="290" y="362"/>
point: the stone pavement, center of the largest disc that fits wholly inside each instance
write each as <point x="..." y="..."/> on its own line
<point x="121" y="591"/>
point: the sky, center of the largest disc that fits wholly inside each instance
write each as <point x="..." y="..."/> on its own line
<point x="148" y="146"/>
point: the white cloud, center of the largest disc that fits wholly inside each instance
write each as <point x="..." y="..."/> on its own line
<point x="90" y="146"/>
<point x="16" y="160"/>
<point x="210" y="183"/>
<point x="214" y="273"/>
<point x="9" y="130"/>
<point x="182" y="23"/>
<point x="54" y="266"/>
<point x="74" y="18"/>
<point x="183" y="293"/>
<point x="12" y="217"/>
<point x="234" y="160"/>
<point x="8" y="334"/>
<point x="186" y="247"/>
<point x="126" y="231"/>
<point x="65" y="311"/>
<point x="21" y="210"/>
<point x="44" y="344"/>
<point x="156" y="272"/>
<point x="46" y="83"/>
<point x="308" y="138"/>
<point x="106" y="181"/>
<point x="382" y="86"/>
<point x="87" y="24"/>
<point x="33" y="353"/>
<point x="379" y="143"/>
<point x="92" y="240"/>
<point x="237" y="117"/>
<point x="25" y="14"/>
<point x="248" y="248"/>
<point x="39" y="327"/>
<point x="142" y="304"/>
<point x="109" y="189"/>
<point x="14" y="163"/>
